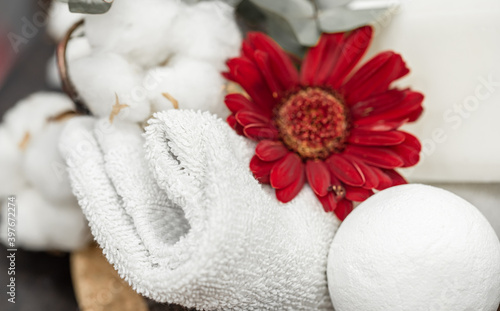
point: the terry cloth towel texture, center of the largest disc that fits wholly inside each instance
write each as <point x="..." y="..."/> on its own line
<point x="196" y="228"/>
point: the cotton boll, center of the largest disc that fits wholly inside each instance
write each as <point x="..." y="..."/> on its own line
<point x="52" y="73"/>
<point x="25" y="120"/>
<point x="99" y="78"/>
<point x="77" y="48"/>
<point x="207" y="31"/>
<point x="11" y="177"/>
<point x="60" y="20"/>
<point x="42" y="225"/>
<point x="139" y="30"/>
<point x="44" y="167"/>
<point x="193" y="84"/>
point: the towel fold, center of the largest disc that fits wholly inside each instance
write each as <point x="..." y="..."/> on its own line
<point x="197" y="229"/>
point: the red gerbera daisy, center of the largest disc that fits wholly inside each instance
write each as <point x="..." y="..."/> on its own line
<point x="335" y="130"/>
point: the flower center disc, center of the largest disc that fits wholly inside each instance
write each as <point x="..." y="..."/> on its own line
<point x="313" y="122"/>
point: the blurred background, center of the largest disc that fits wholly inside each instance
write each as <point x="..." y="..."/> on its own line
<point x="43" y="279"/>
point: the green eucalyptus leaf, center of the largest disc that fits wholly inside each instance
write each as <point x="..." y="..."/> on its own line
<point x="233" y="3"/>
<point x="89" y="6"/>
<point x="281" y="31"/>
<point x="250" y="17"/>
<point x="353" y="15"/>
<point x="299" y="14"/>
<point x="253" y="18"/>
<point x="329" y="4"/>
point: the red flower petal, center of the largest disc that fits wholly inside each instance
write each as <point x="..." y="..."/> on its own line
<point x="357" y="194"/>
<point x="412" y="117"/>
<point x="382" y="125"/>
<point x="344" y="170"/>
<point x="262" y="60"/>
<point x="287" y="171"/>
<point x="374" y="77"/>
<point x="412" y="141"/>
<point x="380" y="157"/>
<point x="282" y="67"/>
<point x="373" y="138"/>
<point x="409" y="150"/>
<point x="236" y="102"/>
<point x="261" y="132"/>
<point x="318" y="176"/>
<point x="316" y="56"/>
<point x="269" y="151"/>
<point x="246" y="117"/>
<point x="231" y="120"/>
<point x="247" y="50"/>
<point x="330" y="56"/>
<point x="288" y="193"/>
<point x="408" y="154"/>
<point x="328" y="201"/>
<point x="261" y="169"/>
<point x="335" y="55"/>
<point x="343" y="209"/>
<point x="411" y="104"/>
<point x="246" y="74"/>
<point x="371" y="179"/>
<point x="378" y="103"/>
<point x="396" y="178"/>
<point x="353" y="48"/>
<point x="384" y="180"/>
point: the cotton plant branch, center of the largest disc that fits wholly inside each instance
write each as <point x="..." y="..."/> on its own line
<point x="62" y="66"/>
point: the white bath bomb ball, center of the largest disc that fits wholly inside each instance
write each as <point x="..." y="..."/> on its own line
<point x="415" y="247"/>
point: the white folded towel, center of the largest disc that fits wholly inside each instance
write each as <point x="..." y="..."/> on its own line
<point x="209" y="236"/>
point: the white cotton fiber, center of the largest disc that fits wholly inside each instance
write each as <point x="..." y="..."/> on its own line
<point x="99" y="78"/>
<point x="44" y="167"/>
<point x="60" y="20"/>
<point x="139" y="30"/>
<point x="77" y="47"/>
<point x="207" y="31"/>
<point x="42" y="225"/>
<point x="31" y="168"/>
<point x="30" y="115"/>
<point x="11" y="178"/>
<point x="192" y="83"/>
